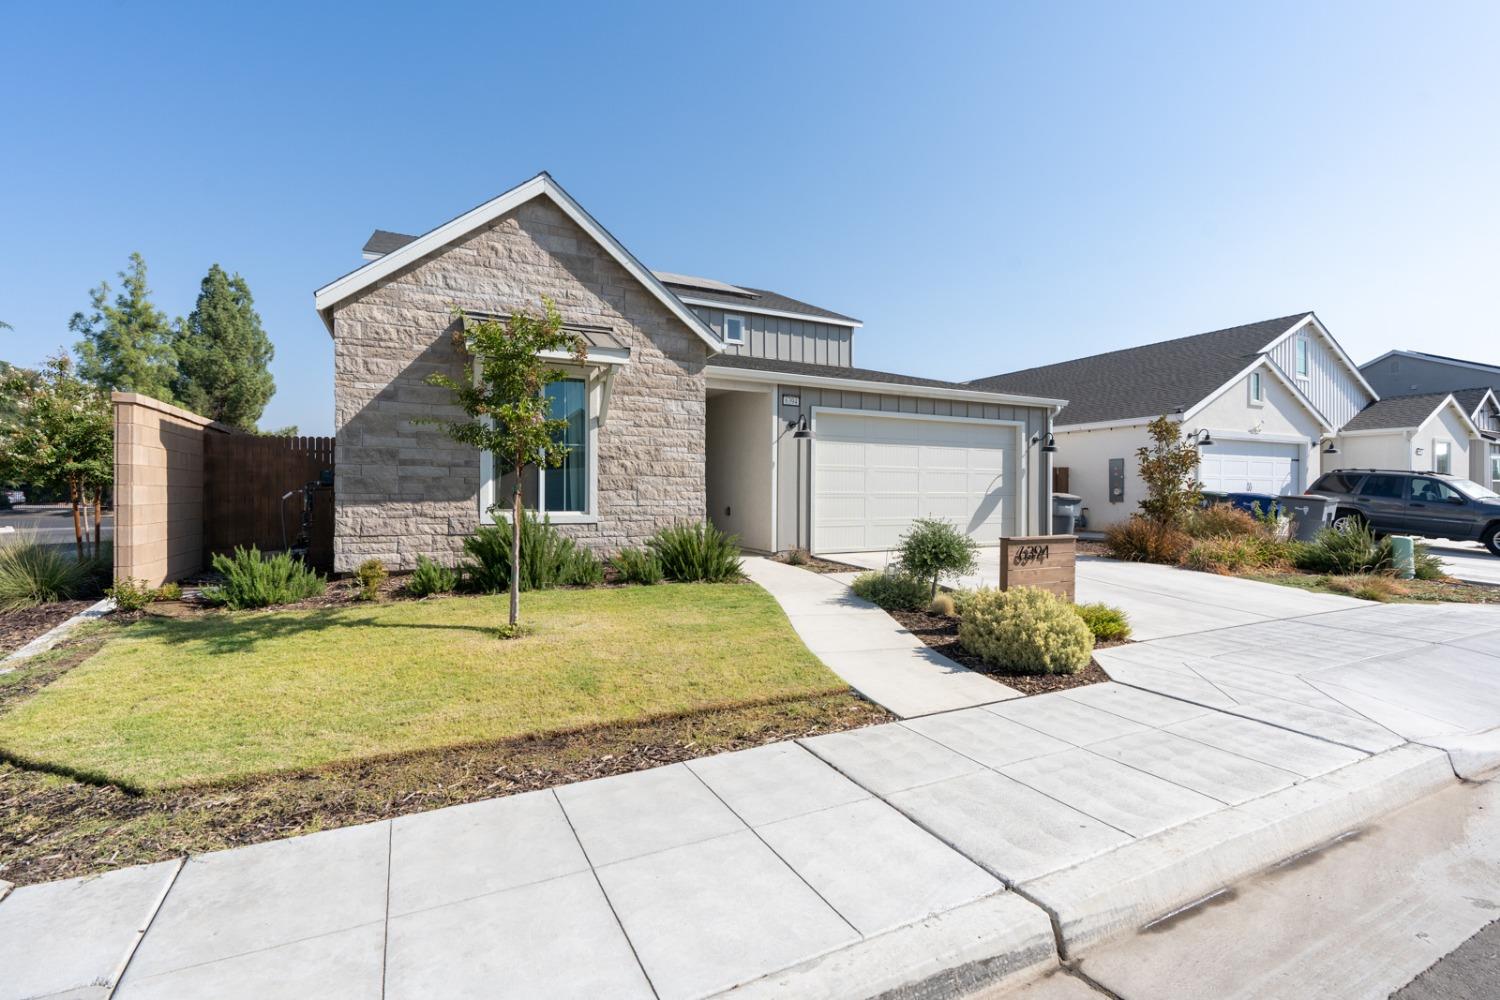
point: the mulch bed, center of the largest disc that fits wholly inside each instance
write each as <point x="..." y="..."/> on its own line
<point x="818" y="564"/>
<point x="54" y="827"/>
<point x="940" y="632"/>
<point x="17" y="628"/>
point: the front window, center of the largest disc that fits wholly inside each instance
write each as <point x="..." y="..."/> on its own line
<point x="1495" y="469"/>
<point x="734" y="329"/>
<point x="1442" y="457"/>
<point x="565" y="488"/>
<point x="1302" y="357"/>
<point x="1255" y="396"/>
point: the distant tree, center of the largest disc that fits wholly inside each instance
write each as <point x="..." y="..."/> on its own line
<point x="59" y="436"/>
<point x="1169" y="468"/>
<point x="505" y="401"/>
<point x="127" y="343"/>
<point x="289" y="431"/>
<point x="223" y="353"/>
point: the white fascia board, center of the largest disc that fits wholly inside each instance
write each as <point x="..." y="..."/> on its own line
<point x="1258" y="363"/>
<point x="542" y="185"/>
<point x="739" y="307"/>
<point x="1105" y="425"/>
<point x="596" y="356"/>
<point x="1312" y="320"/>
<point x="889" y="388"/>
<point x="1488" y="397"/>
<point x="1376" y="431"/>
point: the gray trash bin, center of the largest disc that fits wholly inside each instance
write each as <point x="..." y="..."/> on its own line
<point x="1065" y="512"/>
<point x="1309" y="514"/>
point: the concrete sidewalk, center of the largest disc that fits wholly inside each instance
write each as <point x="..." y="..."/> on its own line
<point x="868" y="648"/>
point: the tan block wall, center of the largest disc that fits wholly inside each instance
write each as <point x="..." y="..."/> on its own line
<point x="158" y="489"/>
<point x="406" y="489"/>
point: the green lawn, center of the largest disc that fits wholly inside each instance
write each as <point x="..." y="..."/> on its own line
<point x="170" y="702"/>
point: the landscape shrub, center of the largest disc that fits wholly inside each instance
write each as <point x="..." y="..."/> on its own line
<point x="1367" y="586"/>
<point x="548" y="559"/>
<point x="1139" y="539"/>
<point x="1025" y="630"/>
<point x="1222" y="520"/>
<point x="170" y="591"/>
<point x="369" y="576"/>
<point x="254" y="580"/>
<point x="131" y="594"/>
<point x="932" y="549"/>
<point x="32" y="573"/>
<point x="962" y="596"/>
<point x="1107" y="623"/>
<point x="894" y="591"/>
<point x="637" y="566"/>
<point x="1344" y="553"/>
<point x="942" y="604"/>
<point x="430" y="577"/>
<point x="696" y="551"/>
<point x="1428" y="565"/>
<point x="796" y="557"/>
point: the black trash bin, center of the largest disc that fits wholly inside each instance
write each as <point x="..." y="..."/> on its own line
<point x="1309" y="514"/>
<point x="1065" y="512"/>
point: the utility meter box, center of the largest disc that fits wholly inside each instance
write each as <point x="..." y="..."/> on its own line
<point x="1117" y="480"/>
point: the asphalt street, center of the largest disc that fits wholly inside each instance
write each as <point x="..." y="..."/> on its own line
<point x="51" y="523"/>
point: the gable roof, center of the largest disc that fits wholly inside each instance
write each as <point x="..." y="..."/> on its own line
<point x="1440" y="358"/>
<point x="1147" y="381"/>
<point x="742" y="298"/>
<point x="332" y="294"/>
<point x="1401" y="413"/>
<point x="1470" y="400"/>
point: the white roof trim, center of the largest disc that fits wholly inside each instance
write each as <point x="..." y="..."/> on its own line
<point x="1105" y="425"/>
<point x="1410" y="429"/>
<point x="340" y="289"/>
<point x="724" y="375"/>
<point x="1489" y="396"/>
<point x="1262" y="362"/>
<point x="1312" y="319"/>
<point x="749" y="306"/>
<point x="1437" y="360"/>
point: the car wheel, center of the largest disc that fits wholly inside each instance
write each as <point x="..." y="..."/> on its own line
<point x="1491" y="540"/>
<point x="1347" y="521"/>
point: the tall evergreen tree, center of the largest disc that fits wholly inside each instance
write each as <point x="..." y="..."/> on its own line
<point x="223" y="353"/>
<point x="127" y="343"/>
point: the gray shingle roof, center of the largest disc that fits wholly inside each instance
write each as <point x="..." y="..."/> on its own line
<point x="384" y="241"/>
<point x="1395" y="412"/>
<point x="795" y="368"/>
<point x="1145" y="381"/>
<point x="758" y="299"/>
<point x="1469" y="399"/>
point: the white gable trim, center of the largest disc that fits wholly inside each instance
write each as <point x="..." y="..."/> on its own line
<point x="1488" y="397"/>
<point x="1262" y="362"/>
<point x="1348" y="362"/>
<point x="542" y="185"/>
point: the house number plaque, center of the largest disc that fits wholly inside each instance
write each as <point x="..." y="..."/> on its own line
<point x="1045" y="561"/>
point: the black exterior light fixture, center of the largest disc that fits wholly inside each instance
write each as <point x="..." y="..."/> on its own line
<point x="1048" y="447"/>
<point x="803" y="432"/>
<point x="1330" y="448"/>
<point x="1201" y="439"/>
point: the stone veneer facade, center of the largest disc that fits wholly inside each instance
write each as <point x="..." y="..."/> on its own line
<point x="406" y="489"/>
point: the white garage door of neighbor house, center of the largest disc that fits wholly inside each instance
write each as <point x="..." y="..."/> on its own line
<point x="873" y="475"/>
<point x="1251" y="467"/>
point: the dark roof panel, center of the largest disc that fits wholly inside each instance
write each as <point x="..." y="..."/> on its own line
<point x="1146" y="381"/>
<point x="383" y="241"/>
<point x="1396" y="412"/>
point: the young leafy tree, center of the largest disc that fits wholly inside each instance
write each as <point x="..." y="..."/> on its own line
<point x="1169" y="469"/>
<point x="508" y="412"/>
<point x="60" y="435"/>
<point x="223" y="354"/>
<point x="127" y="343"/>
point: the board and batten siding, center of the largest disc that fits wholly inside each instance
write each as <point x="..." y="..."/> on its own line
<point x="783" y="339"/>
<point x="794" y="458"/>
<point x="1330" y="385"/>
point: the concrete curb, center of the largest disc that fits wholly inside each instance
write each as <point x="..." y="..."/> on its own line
<point x="1474" y="755"/>
<point x="55" y="634"/>
<point x="1001" y="939"/>
<point x="1125" y="889"/>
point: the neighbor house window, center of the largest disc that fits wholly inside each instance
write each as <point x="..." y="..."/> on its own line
<point x="1442" y="457"/>
<point x="1302" y="357"/>
<point x="734" y="329"/>
<point x="565" y="489"/>
<point x="1255" y="390"/>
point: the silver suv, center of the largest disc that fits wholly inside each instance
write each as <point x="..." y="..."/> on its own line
<point x="1429" y="504"/>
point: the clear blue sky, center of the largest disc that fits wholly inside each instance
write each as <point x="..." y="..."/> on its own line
<point x="988" y="187"/>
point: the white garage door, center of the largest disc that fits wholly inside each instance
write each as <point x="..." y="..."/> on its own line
<point x="873" y="475"/>
<point x="1251" y="467"/>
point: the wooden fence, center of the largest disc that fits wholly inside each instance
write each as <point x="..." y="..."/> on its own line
<point x="247" y="480"/>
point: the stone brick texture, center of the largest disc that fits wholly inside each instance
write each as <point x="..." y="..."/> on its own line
<point x="405" y="489"/>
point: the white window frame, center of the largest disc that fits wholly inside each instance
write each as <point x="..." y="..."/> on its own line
<point x="739" y="319"/>
<point x="1257" y="389"/>
<point x="489" y="481"/>
<point x="1303" y="360"/>
<point x="1442" y="454"/>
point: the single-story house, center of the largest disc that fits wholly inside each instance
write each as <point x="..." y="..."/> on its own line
<point x="1403" y="373"/>
<point x="699" y="399"/>
<point x="1424" y="432"/>
<point x="1265" y="399"/>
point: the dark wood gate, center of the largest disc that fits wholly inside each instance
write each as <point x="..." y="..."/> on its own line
<point x="246" y="482"/>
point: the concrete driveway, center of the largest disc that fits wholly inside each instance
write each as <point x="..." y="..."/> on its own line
<point x="1468" y="561"/>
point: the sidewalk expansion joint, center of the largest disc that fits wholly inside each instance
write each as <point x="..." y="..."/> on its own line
<point x="140" y="935"/>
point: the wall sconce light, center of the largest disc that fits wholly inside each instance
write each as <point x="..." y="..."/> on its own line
<point x="1201" y="439"/>
<point x="1330" y="448"/>
<point x="802" y="433"/>
<point x="1047" y="448"/>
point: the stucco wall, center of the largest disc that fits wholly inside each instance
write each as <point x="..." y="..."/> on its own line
<point x="1086" y="455"/>
<point x="740" y="469"/>
<point x="1391" y="450"/>
<point x="406" y="489"/>
<point x="1444" y="426"/>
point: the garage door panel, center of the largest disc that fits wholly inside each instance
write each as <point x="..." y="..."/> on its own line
<point x="1251" y="466"/>
<point x="905" y="469"/>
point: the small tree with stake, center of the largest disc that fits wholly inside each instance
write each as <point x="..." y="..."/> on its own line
<point x="506" y="406"/>
<point x="58" y="432"/>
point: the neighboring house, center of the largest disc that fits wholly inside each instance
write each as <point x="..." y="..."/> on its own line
<point x="698" y="399"/>
<point x="1424" y="432"/>
<point x="1269" y="395"/>
<point x="1399" y="373"/>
